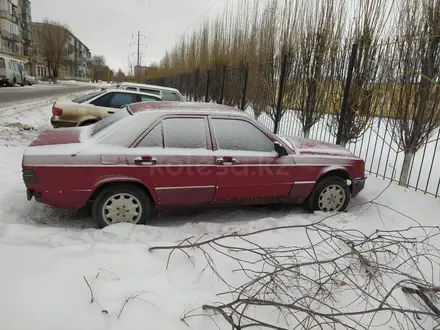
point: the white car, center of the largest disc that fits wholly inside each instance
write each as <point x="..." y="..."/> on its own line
<point x="91" y="108"/>
<point x="29" y="80"/>
<point x="166" y="93"/>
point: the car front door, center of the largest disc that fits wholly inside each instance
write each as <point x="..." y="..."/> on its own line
<point x="247" y="165"/>
<point x="112" y="100"/>
<point x="175" y="157"/>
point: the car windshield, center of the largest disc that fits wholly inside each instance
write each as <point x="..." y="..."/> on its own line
<point x="108" y="121"/>
<point x="87" y="97"/>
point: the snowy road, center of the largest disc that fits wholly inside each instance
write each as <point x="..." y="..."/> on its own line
<point x="20" y="94"/>
<point x="46" y="253"/>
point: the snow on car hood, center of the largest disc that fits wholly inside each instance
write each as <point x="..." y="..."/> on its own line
<point x="303" y="146"/>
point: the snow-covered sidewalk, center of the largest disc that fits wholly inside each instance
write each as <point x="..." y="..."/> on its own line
<point x="51" y="257"/>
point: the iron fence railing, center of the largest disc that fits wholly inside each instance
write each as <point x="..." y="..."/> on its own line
<point x="381" y="104"/>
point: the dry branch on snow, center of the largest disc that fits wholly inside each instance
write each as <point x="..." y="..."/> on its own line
<point x="342" y="278"/>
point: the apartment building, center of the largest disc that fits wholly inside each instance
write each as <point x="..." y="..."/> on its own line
<point x="75" y="65"/>
<point x="15" y="28"/>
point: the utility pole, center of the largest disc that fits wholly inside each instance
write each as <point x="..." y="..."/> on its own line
<point x="138" y="53"/>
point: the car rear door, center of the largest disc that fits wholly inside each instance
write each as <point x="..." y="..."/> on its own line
<point x="247" y="165"/>
<point x="176" y="158"/>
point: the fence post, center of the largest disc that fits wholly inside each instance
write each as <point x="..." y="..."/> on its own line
<point x="280" y="93"/>
<point x="207" y="86"/>
<point x="344" y="107"/>
<point x="243" y="97"/>
<point x="222" y="91"/>
<point x="196" y="84"/>
<point x="188" y="92"/>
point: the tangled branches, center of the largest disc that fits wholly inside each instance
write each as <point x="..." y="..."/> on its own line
<point x="336" y="279"/>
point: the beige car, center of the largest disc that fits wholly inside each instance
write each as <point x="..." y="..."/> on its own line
<point x="91" y="108"/>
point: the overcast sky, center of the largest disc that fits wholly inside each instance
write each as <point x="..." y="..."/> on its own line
<point x="107" y="26"/>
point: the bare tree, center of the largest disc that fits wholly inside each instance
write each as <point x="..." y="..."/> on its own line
<point x="310" y="87"/>
<point x="368" y="27"/>
<point x="415" y="101"/>
<point x="120" y="76"/>
<point x="52" y="41"/>
<point x="130" y="68"/>
<point x="95" y="64"/>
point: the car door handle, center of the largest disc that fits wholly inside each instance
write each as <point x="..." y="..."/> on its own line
<point x="110" y="112"/>
<point x="145" y="160"/>
<point x="226" y="160"/>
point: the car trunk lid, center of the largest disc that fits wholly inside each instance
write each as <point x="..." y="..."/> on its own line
<point x="58" y="136"/>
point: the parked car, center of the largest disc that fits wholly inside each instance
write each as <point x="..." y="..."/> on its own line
<point x="11" y="71"/>
<point x="29" y="80"/>
<point x="166" y="93"/>
<point x="166" y="154"/>
<point x="91" y="108"/>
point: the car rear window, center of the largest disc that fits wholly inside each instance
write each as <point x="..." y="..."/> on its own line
<point x="87" y="97"/>
<point x="108" y="121"/>
<point x="127" y="130"/>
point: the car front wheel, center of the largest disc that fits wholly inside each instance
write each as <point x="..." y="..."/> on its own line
<point x="121" y="203"/>
<point x="331" y="194"/>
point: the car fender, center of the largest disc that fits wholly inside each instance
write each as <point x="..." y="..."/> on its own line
<point x="125" y="179"/>
<point x="333" y="168"/>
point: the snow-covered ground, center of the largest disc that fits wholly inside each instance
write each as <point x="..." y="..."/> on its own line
<point x="47" y="255"/>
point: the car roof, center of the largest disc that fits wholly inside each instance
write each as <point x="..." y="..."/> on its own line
<point x="187" y="107"/>
<point x="131" y="92"/>
<point x="149" y="86"/>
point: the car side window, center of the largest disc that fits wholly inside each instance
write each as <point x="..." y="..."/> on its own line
<point x="154" y="139"/>
<point x="188" y="133"/>
<point x="146" y="98"/>
<point x="170" y="96"/>
<point x="233" y="134"/>
<point x="150" y="91"/>
<point x="120" y="99"/>
<point x="103" y="101"/>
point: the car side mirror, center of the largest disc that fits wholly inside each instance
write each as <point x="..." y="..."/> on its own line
<point x="279" y="148"/>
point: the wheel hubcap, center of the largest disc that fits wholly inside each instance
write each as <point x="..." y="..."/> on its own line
<point x="122" y="208"/>
<point x="332" y="198"/>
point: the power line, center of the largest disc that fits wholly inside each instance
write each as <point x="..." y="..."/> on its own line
<point x="189" y="12"/>
<point x="201" y="16"/>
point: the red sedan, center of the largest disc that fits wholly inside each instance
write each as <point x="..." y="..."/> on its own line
<point x="161" y="155"/>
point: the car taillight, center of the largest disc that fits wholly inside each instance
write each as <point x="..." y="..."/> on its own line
<point x="57" y="111"/>
<point x="29" y="177"/>
<point x="362" y="167"/>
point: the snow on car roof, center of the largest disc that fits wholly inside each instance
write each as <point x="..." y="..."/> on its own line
<point x="171" y="106"/>
<point x="149" y="86"/>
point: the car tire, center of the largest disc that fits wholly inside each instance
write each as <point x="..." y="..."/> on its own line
<point x="131" y="204"/>
<point x="331" y="194"/>
<point x="87" y="123"/>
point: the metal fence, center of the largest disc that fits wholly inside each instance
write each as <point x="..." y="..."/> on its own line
<point x="357" y="97"/>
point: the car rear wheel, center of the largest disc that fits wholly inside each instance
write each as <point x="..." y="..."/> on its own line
<point x="331" y="194"/>
<point x="121" y="203"/>
<point x="87" y="123"/>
